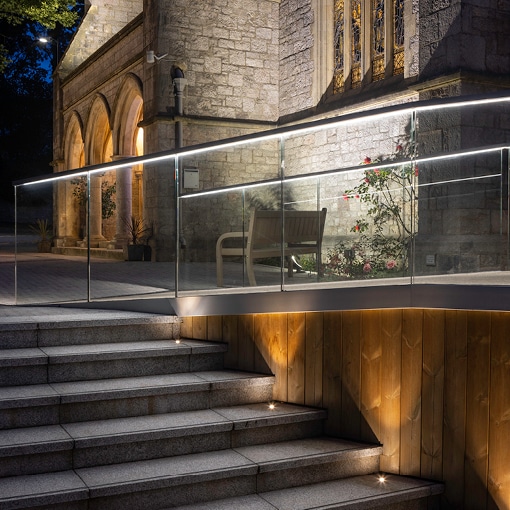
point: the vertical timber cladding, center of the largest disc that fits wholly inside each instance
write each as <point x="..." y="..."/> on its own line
<point x="430" y="385"/>
<point x="228" y="51"/>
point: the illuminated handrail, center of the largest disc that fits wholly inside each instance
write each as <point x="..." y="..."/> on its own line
<point x="281" y="135"/>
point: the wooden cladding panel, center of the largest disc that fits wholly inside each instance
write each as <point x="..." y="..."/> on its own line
<point x="499" y="423"/>
<point x="332" y="391"/>
<point x="371" y="354"/>
<point x="455" y="406"/>
<point x="432" y="399"/>
<point x="411" y="394"/>
<point x="350" y="426"/>
<point x="391" y="334"/>
<point x="477" y="410"/>
<point x="432" y="386"/>
<point x="296" y="357"/>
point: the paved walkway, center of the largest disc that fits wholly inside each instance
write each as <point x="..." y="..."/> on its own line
<point x="43" y="279"/>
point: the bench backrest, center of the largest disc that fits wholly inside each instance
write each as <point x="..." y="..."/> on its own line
<point x="299" y="227"/>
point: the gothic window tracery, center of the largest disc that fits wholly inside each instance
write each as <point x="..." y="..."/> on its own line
<point x="339" y="77"/>
<point x="368" y="41"/>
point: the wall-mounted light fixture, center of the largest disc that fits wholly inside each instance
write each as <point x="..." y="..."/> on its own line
<point x="152" y="57"/>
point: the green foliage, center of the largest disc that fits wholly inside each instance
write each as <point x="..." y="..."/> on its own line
<point x="383" y="233"/>
<point x="42" y="228"/>
<point x="108" y="190"/>
<point x="139" y="232"/>
<point x="47" y="13"/>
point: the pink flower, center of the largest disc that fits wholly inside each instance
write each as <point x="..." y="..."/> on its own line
<point x="376" y="171"/>
<point x="356" y="196"/>
<point x="367" y="267"/>
<point x="390" y="264"/>
<point x="356" y="228"/>
<point x="345" y="197"/>
<point x="367" y="160"/>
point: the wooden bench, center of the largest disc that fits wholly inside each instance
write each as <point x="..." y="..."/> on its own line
<point x="303" y="232"/>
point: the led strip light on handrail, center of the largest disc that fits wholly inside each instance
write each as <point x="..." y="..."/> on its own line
<point x="278" y="133"/>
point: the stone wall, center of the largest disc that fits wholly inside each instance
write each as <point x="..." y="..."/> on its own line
<point x="296" y="63"/>
<point x="467" y="35"/>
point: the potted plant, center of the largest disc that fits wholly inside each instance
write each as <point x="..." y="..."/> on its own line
<point x="137" y="231"/>
<point x="147" y="249"/>
<point x="43" y="229"/>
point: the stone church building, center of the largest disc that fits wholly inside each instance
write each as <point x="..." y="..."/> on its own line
<point x="249" y="66"/>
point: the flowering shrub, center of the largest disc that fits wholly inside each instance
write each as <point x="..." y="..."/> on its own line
<point x="383" y="234"/>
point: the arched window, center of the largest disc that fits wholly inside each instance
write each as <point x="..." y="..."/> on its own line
<point x="368" y="41"/>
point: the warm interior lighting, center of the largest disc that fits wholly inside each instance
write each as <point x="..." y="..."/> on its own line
<point x="381" y="479"/>
<point x="272" y="405"/>
<point x="177" y="341"/>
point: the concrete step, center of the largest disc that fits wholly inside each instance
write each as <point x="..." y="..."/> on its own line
<point x="75" y="445"/>
<point x="70" y="402"/>
<point x="39" y="365"/>
<point x="355" y="493"/>
<point x="194" y="478"/>
<point x="99" y="327"/>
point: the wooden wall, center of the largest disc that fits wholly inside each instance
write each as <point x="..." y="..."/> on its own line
<point x="432" y="386"/>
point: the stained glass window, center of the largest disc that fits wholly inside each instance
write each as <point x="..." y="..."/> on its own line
<point x="339" y="76"/>
<point x="377" y="54"/>
<point x="356" y="42"/>
<point x="398" y="44"/>
<point x="367" y="32"/>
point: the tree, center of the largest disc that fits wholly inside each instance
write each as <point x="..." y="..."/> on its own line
<point x="47" y="13"/>
<point x="26" y="85"/>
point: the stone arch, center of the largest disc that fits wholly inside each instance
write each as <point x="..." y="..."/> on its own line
<point x="127" y="116"/>
<point x="98" y="149"/>
<point x="98" y="133"/>
<point x="128" y="142"/>
<point x="67" y="219"/>
<point x="74" y="151"/>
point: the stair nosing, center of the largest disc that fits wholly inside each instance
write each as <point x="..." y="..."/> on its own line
<point x="77" y="439"/>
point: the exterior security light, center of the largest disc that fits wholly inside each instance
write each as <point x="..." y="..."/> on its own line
<point x="152" y="57"/>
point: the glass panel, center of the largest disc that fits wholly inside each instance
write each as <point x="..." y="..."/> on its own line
<point x="460" y="221"/>
<point x="121" y="238"/>
<point x="371" y="234"/>
<point x="7" y="247"/>
<point x="378" y="64"/>
<point x="398" y="37"/>
<point x="50" y="266"/>
<point x="356" y="43"/>
<point x="205" y="217"/>
<point x="339" y="77"/>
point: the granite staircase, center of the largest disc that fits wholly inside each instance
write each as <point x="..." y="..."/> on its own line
<point x="119" y="414"/>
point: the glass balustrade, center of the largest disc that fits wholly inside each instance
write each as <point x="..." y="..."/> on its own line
<point x="395" y="196"/>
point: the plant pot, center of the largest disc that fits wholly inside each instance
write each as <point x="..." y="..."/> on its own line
<point x="135" y="252"/>
<point x="44" y="246"/>
<point x="147" y="253"/>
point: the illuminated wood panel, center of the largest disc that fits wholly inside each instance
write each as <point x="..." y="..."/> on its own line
<point x="432" y="386"/>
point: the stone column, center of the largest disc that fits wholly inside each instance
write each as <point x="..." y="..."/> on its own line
<point x="124" y="203"/>
<point x="95" y="212"/>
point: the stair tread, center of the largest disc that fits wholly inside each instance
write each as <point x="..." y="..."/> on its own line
<point x="309" y="451"/>
<point x="106" y="351"/>
<point x="155" y="473"/>
<point x="210" y="465"/>
<point x="121" y="430"/>
<point x="21" y="396"/>
<point x="359" y="492"/>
